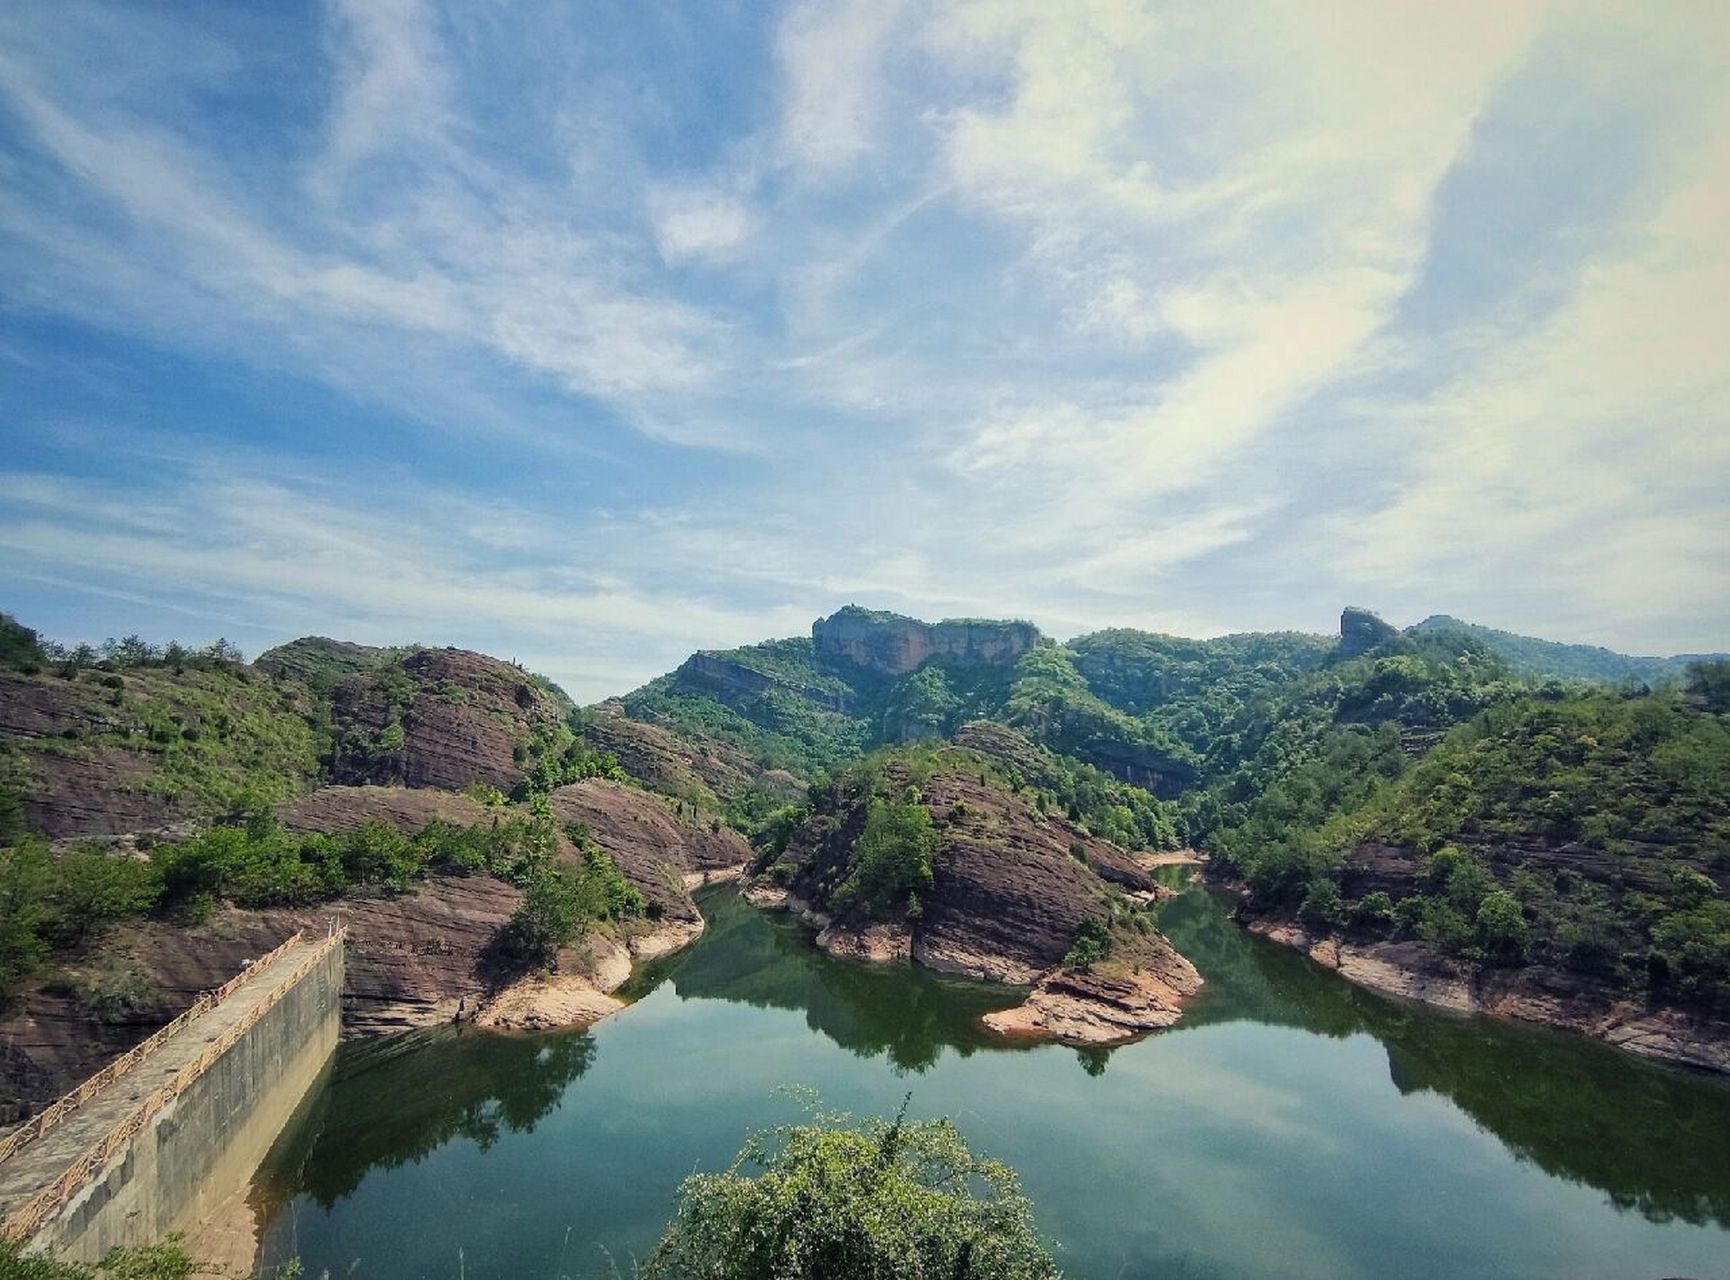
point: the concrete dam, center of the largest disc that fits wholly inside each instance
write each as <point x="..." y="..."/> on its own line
<point x="156" y="1140"/>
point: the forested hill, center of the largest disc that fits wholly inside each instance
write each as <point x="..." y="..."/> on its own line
<point x="1439" y="786"/>
<point x="1530" y="656"/>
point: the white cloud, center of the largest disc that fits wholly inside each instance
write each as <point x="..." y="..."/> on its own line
<point x="1090" y="310"/>
<point x="1580" y="466"/>
<point x="831" y="52"/>
<point x="391" y="81"/>
<point x="312" y="556"/>
<point x="699" y="224"/>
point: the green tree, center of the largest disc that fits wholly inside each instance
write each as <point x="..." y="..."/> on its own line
<point x="891" y="862"/>
<point x="1710" y="682"/>
<point x="833" y="1201"/>
<point x="1501" y="926"/>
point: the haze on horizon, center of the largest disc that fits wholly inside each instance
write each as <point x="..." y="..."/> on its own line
<point x="592" y="334"/>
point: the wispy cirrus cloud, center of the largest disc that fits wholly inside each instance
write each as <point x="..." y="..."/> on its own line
<point x="611" y="333"/>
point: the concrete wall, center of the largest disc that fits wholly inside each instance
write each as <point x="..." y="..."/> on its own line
<point x="206" y="1144"/>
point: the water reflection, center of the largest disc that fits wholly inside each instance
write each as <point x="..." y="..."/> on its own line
<point x="675" y="1082"/>
<point x="394" y="1101"/>
<point x="1654" y="1140"/>
<point x="767" y="960"/>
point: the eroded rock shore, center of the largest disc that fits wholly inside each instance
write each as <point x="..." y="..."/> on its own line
<point x="1535" y="994"/>
<point x="1127" y="998"/>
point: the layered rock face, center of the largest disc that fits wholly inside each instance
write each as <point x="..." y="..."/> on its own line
<point x="1361" y="631"/>
<point x="896" y="645"/>
<point x="710" y="771"/>
<point x="107" y="754"/>
<point x="411" y="958"/>
<point x="463" y="718"/>
<point x="732" y="681"/>
<point x="1011" y="890"/>
<point x="1532" y="993"/>
<point x="648" y="841"/>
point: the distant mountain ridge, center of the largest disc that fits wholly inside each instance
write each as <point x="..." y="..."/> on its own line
<point x="1531" y="656"/>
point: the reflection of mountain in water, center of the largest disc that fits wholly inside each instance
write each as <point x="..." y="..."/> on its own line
<point x="1652" y="1139"/>
<point x="393" y="1101"/>
<point x="752" y="957"/>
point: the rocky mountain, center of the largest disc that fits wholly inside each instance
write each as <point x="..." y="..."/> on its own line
<point x="966" y="794"/>
<point x="1123" y="701"/>
<point x="443" y="718"/>
<point x="896" y="645"/>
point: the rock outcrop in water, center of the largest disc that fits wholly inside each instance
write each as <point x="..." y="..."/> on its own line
<point x="1011" y="891"/>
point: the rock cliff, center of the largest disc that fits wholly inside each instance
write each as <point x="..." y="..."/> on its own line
<point x="1361" y="631"/>
<point x="896" y="645"/>
<point x="1011" y="890"/>
<point x="440" y="718"/>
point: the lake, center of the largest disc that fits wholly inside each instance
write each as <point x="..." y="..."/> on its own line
<point x="1291" y="1126"/>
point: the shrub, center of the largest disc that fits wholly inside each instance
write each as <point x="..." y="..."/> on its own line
<point x="1322" y="905"/>
<point x="1373" y="910"/>
<point x="835" y="1202"/>
<point x="891" y="860"/>
<point x="1093" y="945"/>
<point x="165" y="1261"/>
<point x="1501" y="927"/>
<point x="117" y="993"/>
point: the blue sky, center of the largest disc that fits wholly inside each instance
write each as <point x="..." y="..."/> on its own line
<point x="592" y="333"/>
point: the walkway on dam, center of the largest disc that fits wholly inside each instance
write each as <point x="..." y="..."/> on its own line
<point x="31" y="1170"/>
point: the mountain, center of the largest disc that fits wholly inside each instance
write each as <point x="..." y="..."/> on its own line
<point x="1137" y="705"/>
<point x="1432" y="799"/>
<point x="1529" y="656"/>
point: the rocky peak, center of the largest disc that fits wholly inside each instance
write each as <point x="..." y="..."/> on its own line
<point x="1361" y="631"/>
<point x="892" y="643"/>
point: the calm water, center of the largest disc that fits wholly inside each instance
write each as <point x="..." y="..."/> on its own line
<point x="1292" y="1126"/>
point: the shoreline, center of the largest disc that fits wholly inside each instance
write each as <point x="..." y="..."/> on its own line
<point x="1544" y="997"/>
<point x="1111" y="1007"/>
<point x="580" y="992"/>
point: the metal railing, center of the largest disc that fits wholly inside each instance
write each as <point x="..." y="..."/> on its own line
<point x="27" y="1219"/>
<point x="51" y="1115"/>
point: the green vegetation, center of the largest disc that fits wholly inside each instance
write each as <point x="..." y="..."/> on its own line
<point x="165" y="1261"/>
<point x="560" y="902"/>
<point x="1631" y="792"/>
<point x="891" y="862"/>
<point x="556" y="756"/>
<point x="1548" y="659"/>
<point x="1052" y="701"/>
<point x="1093" y="945"/>
<point x="220" y="739"/>
<point x="20" y="647"/>
<point x="322" y="664"/>
<point x="835" y="1201"/>
<point x="1192" y="689"/>
<point x="1709" y="684"/>
<point x="55" y="902"/>
<point x="1314" y="747"/>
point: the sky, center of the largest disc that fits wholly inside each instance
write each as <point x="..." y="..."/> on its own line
<point x="591" y="333"/>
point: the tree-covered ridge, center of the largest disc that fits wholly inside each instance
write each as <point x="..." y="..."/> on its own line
<point x="1589" y="830"/>
<point x="53" y="902"/>
<point x="789" y="706"/>
<point x="1530" y="656"/>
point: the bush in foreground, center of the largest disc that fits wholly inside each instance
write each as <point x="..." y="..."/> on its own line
<point x="835" y="1201"/>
